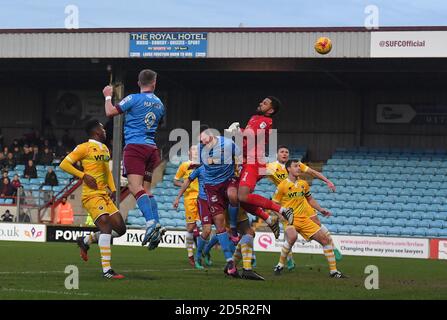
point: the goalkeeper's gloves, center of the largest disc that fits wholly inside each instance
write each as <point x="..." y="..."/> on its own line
<point x="233" y="127"/>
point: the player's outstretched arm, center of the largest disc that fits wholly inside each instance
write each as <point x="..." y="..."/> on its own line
<point x="314" y="204"/>
<point x="318" y="175"/>
<point x="182" y="190"/>
<point x="110" y="109"/>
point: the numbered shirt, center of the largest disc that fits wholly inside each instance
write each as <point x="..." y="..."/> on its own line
<point x="277" y="172"/>
<point x="142" y="115"/>
<point x="293" y="195"/>
<point x="183" y="173"/>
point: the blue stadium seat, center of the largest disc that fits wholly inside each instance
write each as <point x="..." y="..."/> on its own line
<point x="437" y="224"/>
<point x="394" y="191"/>
<point x="130" y="220"/>
<point x="412" y="223"/>
<point x="440" y="216"/>
<point x="399" y="222"/>
<point x="369" y="230"/>
<point x="424" y="223"/>
<point x="420" y="232"/>
<point x="344" y="229"/>
<point x="394" y="231"/>
<point x="357" y="230"/>
<point x="388" y="222"/>
<point x="426" y="215"/>
<point x="432" y="233"/>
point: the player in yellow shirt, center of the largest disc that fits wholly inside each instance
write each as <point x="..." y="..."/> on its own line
<point x="276" y="173"/>
<point x="190" y="200"/>
<point x="97" y="183"/>
<point x="295" y="193"/>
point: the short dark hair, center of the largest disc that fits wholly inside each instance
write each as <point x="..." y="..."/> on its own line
<point x="91" y="125"/>
<point x="146" y="76"/>
<point x="203" y="127"/>
<point x="289" y="163"/>
<point x="282" y="146"/>
<point x="276" y="104"/>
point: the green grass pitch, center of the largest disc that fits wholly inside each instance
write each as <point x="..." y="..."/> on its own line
<point x="36" y="271"/>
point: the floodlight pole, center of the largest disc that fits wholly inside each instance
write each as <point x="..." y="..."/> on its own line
<point x="117" y="145"/>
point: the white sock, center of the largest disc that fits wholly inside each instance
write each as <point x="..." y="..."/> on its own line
<point x="106" y="252"/>
<point x="94" y="236"/>
<point x="190" y="243"/>
<point x="269" y="220"/>
<point x="91" y="238"/>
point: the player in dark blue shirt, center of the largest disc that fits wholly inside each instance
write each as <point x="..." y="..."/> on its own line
<point x="142" y="115"/>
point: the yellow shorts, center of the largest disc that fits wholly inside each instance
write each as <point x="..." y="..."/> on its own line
<point x="98" y="205"/>
<point x="305" y="227"/>
<point x="309" y="214"/>
<point x="191" y="210"/>
<point x="241" y="216"/>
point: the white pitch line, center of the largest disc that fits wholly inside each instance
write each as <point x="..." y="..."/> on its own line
<point x="30" y="272"/>
<point x="140" y="270"/>
<point x="45" y="291"/>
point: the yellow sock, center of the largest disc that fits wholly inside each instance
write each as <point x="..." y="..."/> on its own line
<point x="284" y="253"/>
<point x="329" y="253"/>
<point x="190" y="243"/>
<point x="106" y="252"/>
<point x="247" y="255"/>
<point x="237" y="255"/>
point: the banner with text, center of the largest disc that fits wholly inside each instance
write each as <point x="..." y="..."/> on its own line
<point x="22" y="232"/>
<point x="408" y="44"/>
<point x="432" y="114"/>
<point x="168" y="44"/>
<point x="134" y="237"/>
<point x="61" y="233"/>
<point x="352" y="245"/>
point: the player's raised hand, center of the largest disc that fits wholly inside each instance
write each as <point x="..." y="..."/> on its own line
<point x="107" y="91"/>
<point x="325" y="212"/>
<point x="90" y="182"/>
<point x="331" y="186"/>
<point x="175" y="203"/>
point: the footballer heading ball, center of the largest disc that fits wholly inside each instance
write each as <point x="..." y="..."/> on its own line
<point x="323" y="45"/>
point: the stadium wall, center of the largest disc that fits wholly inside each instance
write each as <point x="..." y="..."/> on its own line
<point x="421" y="248"/>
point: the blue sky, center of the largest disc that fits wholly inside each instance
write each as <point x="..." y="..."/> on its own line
<point x="220" y="13"/>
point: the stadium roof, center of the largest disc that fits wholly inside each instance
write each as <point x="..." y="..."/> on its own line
<point x="348" y="42"/>
<point x="232" y="29"/>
